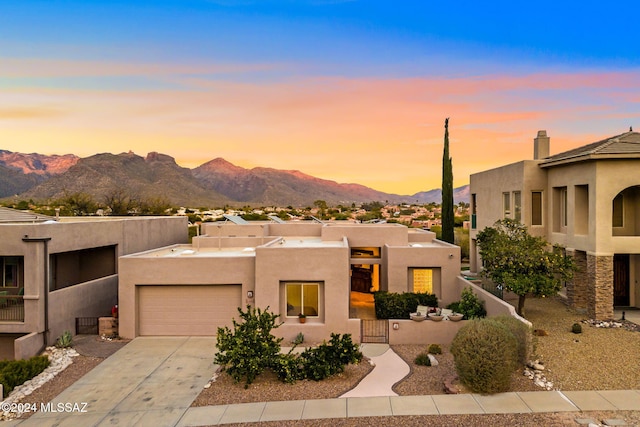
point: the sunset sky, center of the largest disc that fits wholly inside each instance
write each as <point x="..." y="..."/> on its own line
<point x="353" y="91"/>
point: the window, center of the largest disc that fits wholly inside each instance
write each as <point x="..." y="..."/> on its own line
<point x="536" y="208"/>
<point x="302" y="298"/>
<point x="365" y="252"/>
<point x="474" y="204"/>
<point x="618" y="212"/>
<point x="517" y="206"/>
<point x="506" y="205"/>
<point x="423" y="280"/>
<point x="12" y="270"/>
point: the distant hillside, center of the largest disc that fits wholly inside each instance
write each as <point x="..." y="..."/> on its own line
<point x="215" y="183"/>
<point x="460" y="194"/>
<point x="155" y="176"/>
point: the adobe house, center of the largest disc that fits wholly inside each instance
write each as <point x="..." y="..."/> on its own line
<point x="586" y="199"/>
<point x="54" y="270"/>
<point x="294" y="267"/>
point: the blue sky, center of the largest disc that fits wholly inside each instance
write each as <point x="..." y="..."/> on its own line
<point x="344" y="90"/>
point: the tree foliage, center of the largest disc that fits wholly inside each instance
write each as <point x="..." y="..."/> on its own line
<point x="522" y="263"/>
<point x="250" y="348"/>
<point x="447" y="189"/>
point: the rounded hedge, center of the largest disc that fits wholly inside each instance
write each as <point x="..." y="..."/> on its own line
<point x="522" y="333"/>
<point x="485" y="355"/>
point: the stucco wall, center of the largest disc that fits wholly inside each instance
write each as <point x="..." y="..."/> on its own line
<point x="330" y="265"/>
<point x="89" y="299"/>
<point x="177" y="271"/>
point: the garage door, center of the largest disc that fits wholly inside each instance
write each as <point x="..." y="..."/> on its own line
<point x="186" y="310"/>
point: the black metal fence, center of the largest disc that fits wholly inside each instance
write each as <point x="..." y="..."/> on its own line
<point x="86" y="325"/>
<point x="11" y="308"/>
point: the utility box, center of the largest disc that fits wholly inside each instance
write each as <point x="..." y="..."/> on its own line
<point x="108" y="326"/>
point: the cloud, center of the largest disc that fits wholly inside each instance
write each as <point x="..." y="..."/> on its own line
<point x="386" y="133"/>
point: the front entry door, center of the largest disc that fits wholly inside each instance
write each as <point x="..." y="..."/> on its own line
<point x="621" y="280"/>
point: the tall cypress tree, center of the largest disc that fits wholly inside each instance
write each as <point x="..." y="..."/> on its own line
<point x="447" y="189"/>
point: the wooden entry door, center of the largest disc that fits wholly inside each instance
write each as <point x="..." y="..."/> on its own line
<point x="621" y="280"/>
<point x="361" y="279"/>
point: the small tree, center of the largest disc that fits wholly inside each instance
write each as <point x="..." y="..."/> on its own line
<point x="522" y="263"/>
<point x="250" y="348"/>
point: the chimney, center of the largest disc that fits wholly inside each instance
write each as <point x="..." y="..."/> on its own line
<point x="541" y="145"/>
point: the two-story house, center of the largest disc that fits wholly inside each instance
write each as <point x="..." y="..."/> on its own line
<point x="586" y="199"/>
<point x="54" y="270"/>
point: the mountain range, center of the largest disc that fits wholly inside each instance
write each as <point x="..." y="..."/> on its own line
<point x="45" y="178"/>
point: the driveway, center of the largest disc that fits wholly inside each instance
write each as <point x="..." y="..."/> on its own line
<point x="149" y="382"/>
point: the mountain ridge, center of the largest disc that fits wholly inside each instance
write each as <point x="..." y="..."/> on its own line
<point x="216" y="182"/>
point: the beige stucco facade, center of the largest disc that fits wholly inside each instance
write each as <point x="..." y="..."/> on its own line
<point x="587" y="200"/>
<point x="57" y="271"/>
<point x="270" y="262"/>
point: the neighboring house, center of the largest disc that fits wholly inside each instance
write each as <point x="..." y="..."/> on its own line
<point x="54" y="270"/>
<point x="289" y="268"/>
<point x="587" y="200"/>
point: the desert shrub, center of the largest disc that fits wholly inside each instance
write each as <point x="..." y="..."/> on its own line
<point x="330" y="358"/>
<point x="485" y="354"/>
<point x="576" y="328"/>
<point x="422" y="359"/>
<point x="522" y="333"/>
<point x="288" y="368"/>
<point x="391" y="305"/>
<point x="299" y="339"/>
<point x="15" y="372"/>
<point x="65" y="340"/>
<point x="470" y="305"/>
<point x="250" y="348"/>
<point x="434" y="349"/>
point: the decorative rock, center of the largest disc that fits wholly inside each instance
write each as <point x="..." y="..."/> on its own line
<point x="433" y="360"/>
<point x="59" y="359"/>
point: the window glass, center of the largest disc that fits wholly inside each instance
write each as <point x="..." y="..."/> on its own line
<point x="536" y="208"/>
<point x="423" y="280"/>
<point x="302" y="298"/>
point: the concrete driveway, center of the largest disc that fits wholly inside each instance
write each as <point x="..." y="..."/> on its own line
<point x="149" y="382"/>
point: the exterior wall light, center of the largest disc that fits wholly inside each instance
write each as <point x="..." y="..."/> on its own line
<point x="450" y="256"/>
<point x="396" y="326"/>
<point x="250" y="294"/>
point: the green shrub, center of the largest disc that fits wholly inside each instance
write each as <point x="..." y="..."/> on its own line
<point x="422" y="359"/>
<point x="470" y="305"/>
<point x="288" y="368"/>
<point x="485" y="354"/>
<point x="454" y="306"/>
<point x="391" y="305"/>
<point x="576" y="328"/>
<point x="522" y="333"/>
<point x="250" y="348"/>
<point x="434" y="349"/>
<point x="329" y="359"/>
<point x="15" y="372"/>
<point x="65" y="340"/>
<point x="299" y="339"/>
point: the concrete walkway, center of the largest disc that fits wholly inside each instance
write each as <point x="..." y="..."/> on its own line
<point x="389" y="368"/>
<point x="149" y="382"/>
<point x="153" y="381"/>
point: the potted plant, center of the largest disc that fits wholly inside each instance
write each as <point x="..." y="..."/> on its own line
<point x="302" y="317"/>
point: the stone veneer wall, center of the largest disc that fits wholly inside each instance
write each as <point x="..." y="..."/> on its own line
<point x="577" y="288"/>
<point x="600" y="274"/>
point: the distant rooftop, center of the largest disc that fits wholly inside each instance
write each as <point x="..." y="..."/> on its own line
<point x="8" y="216"/>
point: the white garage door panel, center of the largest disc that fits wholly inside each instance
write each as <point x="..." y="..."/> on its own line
<point x="187" y="310"/>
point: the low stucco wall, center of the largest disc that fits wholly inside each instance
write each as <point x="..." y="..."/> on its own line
<point x="89" y="299"/>
<point x="425" y="332"/>
<point x="28" y="346"/>
<point x="315" y="333"/>
<point x="494" y="305"/>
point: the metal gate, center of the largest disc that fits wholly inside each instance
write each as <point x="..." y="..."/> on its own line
<point x="87" y="325"/>
<point x="374" y="331"/>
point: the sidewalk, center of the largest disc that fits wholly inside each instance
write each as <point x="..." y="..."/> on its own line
<point x="353" y="407"/>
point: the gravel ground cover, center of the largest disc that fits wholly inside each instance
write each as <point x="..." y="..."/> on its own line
<point x="596" y="359"/>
